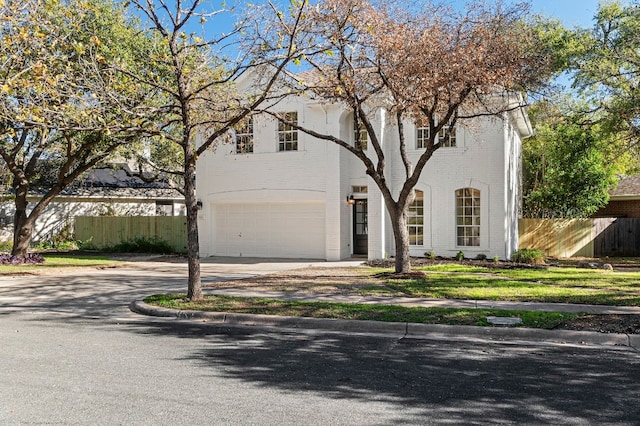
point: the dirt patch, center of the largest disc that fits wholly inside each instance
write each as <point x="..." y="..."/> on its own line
<point x="625" y="324"/>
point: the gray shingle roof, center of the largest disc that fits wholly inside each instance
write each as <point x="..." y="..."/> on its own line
<point x="627" y="186"/>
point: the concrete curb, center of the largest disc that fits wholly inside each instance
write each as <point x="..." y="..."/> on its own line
<point x="400" y="330"/>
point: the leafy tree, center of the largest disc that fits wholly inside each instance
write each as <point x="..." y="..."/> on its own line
<point x="422" y="62"/>
<point x="569" y="165"/>
<point x="193" y="80"/>
<point x="582" y="143"/>
<point x="607" y="70"/>
<point x="60" y="101"/>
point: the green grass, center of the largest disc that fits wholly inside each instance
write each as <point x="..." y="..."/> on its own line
<point x="558" y="285"/>
<point x="59" y="261"/>
<point x="387" y="313"/>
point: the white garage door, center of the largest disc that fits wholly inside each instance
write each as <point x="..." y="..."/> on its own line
<point x="270" y="230"/>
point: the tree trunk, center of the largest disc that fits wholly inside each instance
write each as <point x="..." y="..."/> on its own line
<point x="22" y="225"/>
<point x="401" y="238"/>
<point x="22" y="233"/>
<point x="194" y="286"/>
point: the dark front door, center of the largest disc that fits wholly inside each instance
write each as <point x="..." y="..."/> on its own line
<point x="360" y="229"/>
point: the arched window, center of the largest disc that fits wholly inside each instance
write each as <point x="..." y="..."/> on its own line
<point x="468" y="217"/>
<point x="415" y="220"/>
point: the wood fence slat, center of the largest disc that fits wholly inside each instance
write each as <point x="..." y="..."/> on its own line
<point x="105" y="231"/>
<point x="599" y="237"/>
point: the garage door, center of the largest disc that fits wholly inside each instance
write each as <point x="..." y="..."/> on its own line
<point x="270" y="230"/>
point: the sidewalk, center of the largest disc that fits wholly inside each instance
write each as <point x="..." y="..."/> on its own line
<point x="520" y="335"/>
<point x="424" y="302"/>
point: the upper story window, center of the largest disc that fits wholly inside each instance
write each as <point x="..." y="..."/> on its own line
<point x="415" y="220"/>
<point x="287" y="134"/>
<point x="468" y="217"/>
<point x="422" y="135"/>
<point x="244" y="136"/>
<point x="360" y="136"/>
<point x="446" y="136"/>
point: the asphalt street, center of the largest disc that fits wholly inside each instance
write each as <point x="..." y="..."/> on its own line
<point x="72" y="353"/>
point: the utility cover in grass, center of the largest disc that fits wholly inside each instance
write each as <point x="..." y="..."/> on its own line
<point x="504" y="320"/>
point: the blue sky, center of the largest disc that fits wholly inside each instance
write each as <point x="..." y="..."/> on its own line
<point x="570" y="12"/>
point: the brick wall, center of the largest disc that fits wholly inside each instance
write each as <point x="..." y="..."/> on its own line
<point x="620" y="208"/>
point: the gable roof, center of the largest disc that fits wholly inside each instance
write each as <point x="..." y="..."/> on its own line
<point x="628" y="187"/>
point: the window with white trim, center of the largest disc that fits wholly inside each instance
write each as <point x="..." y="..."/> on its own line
<point x="287" y="133"/>
<point x="360" y="136"/>
<point x="244" y="136"/>
<point x="446" y="136"/>
<point x="468" y="217"/>
<point x="422" y="135"/>
<point x="415" y="220"/>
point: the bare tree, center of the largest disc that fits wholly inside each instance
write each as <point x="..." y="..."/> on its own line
<point x="421" y="62"/>
<point x="195" y="91"/>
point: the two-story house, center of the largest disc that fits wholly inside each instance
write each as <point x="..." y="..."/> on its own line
<point x="275" y="191"/>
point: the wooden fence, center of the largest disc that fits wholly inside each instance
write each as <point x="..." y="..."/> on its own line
<point x="104" y="231"/>
<point x="597" y="237"/>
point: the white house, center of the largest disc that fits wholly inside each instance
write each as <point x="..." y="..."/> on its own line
<point x="278" y="192"/>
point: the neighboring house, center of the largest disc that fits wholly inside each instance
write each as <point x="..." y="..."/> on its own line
<point x="277" y="192"/>
<point x="103" y="192"/>
<point x="624" y="200"/>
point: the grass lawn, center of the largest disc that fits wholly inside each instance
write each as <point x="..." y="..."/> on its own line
<point x="559" y="285"/>
<point x="450" y="316"/>
<point x="450" y="281"/>
<point x="59" y="262"/>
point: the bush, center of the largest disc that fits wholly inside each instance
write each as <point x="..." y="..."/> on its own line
<point x="460" y="256"/>
<point x="430" y="254"/>
<point x="481" y="256"/>
<point x="142" y="245"/>
<point x="30" y="259"/>
<point x="529" y="256"/>
<point x="6" y="245"/>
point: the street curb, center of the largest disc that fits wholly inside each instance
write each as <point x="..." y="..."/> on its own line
<point x="405" y="330"/>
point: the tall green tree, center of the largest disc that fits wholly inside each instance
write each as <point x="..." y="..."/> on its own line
<point x="569" y="165"/>
<point x="607" y="70"/>
<point x="61" y="103"/>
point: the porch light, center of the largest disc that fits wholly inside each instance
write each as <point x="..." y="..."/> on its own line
<point x="350" y="199"/>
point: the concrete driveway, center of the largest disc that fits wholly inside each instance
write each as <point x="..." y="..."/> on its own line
<point x="108" y="292"/>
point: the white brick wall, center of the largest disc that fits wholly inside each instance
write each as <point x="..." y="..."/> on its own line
<point x="486" y="158"/>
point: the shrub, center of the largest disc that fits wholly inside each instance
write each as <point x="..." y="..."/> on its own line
<point x="460" y="256"/>
<point x="430" y="254"/>
<point x="142" y="245"/>
<point x="529" y="256"/>
<point x="481" y="256"/>
<point x="6" y="245"/>
<point x="496" y="258"/>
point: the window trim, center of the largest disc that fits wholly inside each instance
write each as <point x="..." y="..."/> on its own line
<point x="288" y="135"/>
<point x="423" y="132"/>
<point x="244" y="136"/>
<point x="360" y="136"/>
<point x="417" y="229"/>
<point x="468" y="217"/>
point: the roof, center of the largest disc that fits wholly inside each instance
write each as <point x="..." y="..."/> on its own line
<point x="628" y="186"/>
<point x="118" y="182"/>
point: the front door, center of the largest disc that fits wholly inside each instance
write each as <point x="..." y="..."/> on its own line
<point x="360" y="228"/>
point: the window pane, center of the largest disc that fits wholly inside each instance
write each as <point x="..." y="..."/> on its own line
<point x="415" y="220"/>
<point x="468" y="217"/>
